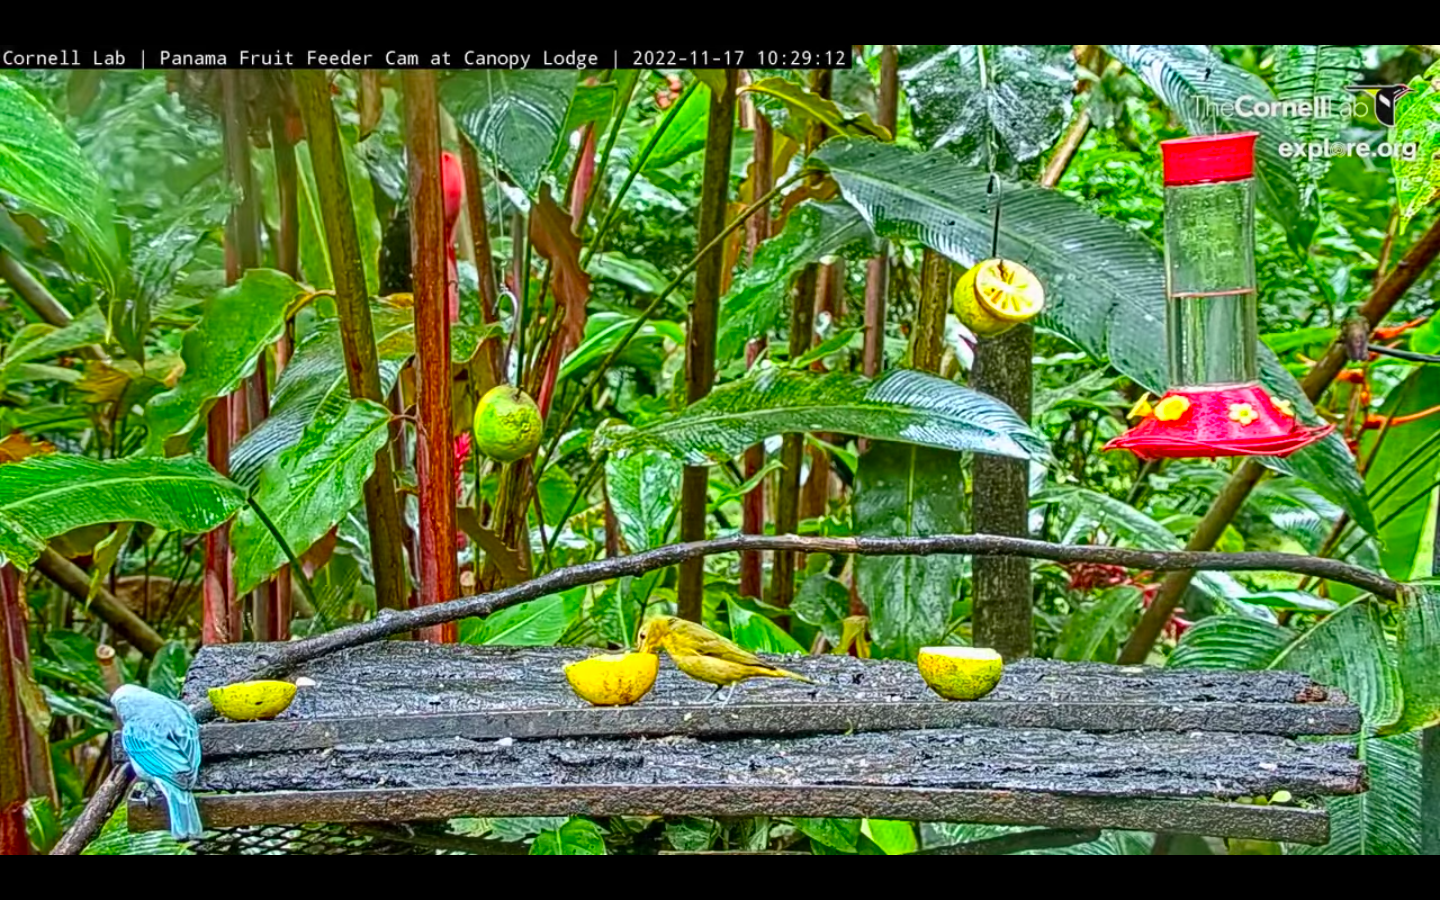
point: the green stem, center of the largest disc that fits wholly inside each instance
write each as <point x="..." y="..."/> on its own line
<point x="306" y="587"/>
<point x="610" y="139"/>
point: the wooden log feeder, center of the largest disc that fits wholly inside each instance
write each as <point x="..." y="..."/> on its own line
<point x="395" y="734"/>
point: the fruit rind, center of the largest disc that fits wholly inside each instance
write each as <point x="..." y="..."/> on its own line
<point x="253" y="701"/>
<point x="507" y="425"/>
<point x="618" y="680"/>
<point x="962" y="674"/>
<point x="986" y="319"/>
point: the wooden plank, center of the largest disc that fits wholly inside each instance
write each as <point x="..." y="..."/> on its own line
<point x="759" y="719"/>
<point x="524" y="692"/>
<point x="1270" y="823"/>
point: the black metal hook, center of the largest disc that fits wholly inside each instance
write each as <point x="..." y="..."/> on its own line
<point x="994" y="190"/>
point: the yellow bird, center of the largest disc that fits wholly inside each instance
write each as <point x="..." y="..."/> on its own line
<point x="706" y="656"/>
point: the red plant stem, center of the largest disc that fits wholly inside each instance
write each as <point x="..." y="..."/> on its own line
<point x="435" y="460"/>
<point x="287" y="253"/>
<point x="38" y="773"/>
<point x="584" y="179"/>
<point x="758" y="231"/>
<point x="484" y="256"/>
<point x="14" y="781"/>
<point x="877" y="275"/>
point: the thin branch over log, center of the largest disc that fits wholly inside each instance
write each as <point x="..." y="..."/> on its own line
<point x="95" y="815"/>
<point x="357" y="332"/>
<point x="1233" y="496"/>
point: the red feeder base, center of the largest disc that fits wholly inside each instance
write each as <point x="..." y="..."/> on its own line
<point x="1208" y="424"/>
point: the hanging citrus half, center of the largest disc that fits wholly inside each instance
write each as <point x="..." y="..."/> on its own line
<point x="997" y="295"/>
<point x="507" y="425"/>
<point x="961" y="673"/>
<point x="254" y="701"/>
<point x="620" y="680"/>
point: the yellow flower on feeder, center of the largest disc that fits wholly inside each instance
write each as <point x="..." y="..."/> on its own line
<point x="1243" y="413"/>
<point x="1287" y="409"/>
<point x="1142" y="410"/>
<point x="1172" y="409"/>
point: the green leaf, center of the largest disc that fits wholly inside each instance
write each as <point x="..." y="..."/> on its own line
<point x="44" y="497"/>
<point x="1419" y="651"/>
<point x="904" y="491"/>
<point x="45" y="172"/>
<point x="904" y="406"/>
<point x="1404" y="471"/>
<point x="692" y="835"/>
<point x="1231" y="643"/>
<point x="1202" y="90"/>
<point x="39" y="341"/>
<point x="837" y="834"/>
<point x="642" y="488"/>
<point x="1088" y="631"/>
<point x="314" y="250"/>
<point x="308" y="489"/>
<point x="167" y="670"/>
<point x="1105" y="284"/>
<point x="1008" y="102"/>
<point x="895" y="838"/>
<point x="540" y="623"/>
<point x="221" y="351"/>
<point x="1385" y="820"/>
<point x="824" y="602"/>
<point x="813" y="232"/>
<point x="513" y="117"/>
<point x="1418" y="122"/>
<point x="603" y="331"/>
<point x="637" y="274"/>
<point x="819" y="109"/>
<point x="686" y="135"/>
<point x="757" y="633"/>
<point x="577" y="837"/>
<point x="1306" y="73"/>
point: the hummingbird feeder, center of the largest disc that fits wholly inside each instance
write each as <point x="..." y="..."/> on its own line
<point x="1215" y="406"/>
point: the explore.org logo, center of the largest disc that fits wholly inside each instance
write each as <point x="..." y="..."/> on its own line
<point x="1382" y="100"/>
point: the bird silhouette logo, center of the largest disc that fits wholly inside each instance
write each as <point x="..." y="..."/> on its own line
<point x="1387" y="98"/>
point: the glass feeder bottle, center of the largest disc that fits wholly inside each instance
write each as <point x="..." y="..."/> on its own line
<point x="1212" y="308"/>
<point x="1215" y="406"/>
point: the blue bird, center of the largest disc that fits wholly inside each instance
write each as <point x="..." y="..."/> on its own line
<point x="162" y="740"/>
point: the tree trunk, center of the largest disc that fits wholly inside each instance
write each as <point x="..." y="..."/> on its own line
<point x="1430" y="762"/>
<point x="435" y="455"/>
<point x="14" y="783"/>
<point x="704" y="321"/>
<point x="752" y="565"/>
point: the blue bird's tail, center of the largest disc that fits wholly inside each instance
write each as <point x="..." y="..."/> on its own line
<point x="185" y="822"/>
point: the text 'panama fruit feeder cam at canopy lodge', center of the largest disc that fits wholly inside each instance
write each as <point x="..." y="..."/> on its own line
<point x="1216" y="406"/>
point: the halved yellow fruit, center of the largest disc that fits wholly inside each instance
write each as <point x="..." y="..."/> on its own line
<point x="997" y="295"/>
<point x="620" y="680"/>
<point x="961" y="673"/>
<point x="253" y="701"/>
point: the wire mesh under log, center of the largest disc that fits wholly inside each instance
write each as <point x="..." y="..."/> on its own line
<point x="403" y="733"/>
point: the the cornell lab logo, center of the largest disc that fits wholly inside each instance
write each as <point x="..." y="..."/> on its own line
<point x="1386" y="98"/>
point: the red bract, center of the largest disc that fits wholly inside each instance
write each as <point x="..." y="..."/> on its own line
<point x="452" y="185"/>
<point x="1238" y="421"/>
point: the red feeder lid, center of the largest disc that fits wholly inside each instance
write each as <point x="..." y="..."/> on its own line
<point x="1209" y="158"/>
<point x="1207" y="424"/>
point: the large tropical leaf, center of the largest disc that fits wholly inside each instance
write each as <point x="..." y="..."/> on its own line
<point x="309" y="488"/>
<point x="754" y="304"/>
<point x="800" y="101"/>
<point x="905" y="406"/>
<point x="1417" y="180"/>
<point x="514" y="117"/>
<point x="315" y="383"/>
<point x="47" y="496"/>
<point x="1402" y="477"/>
<point x="1419" y="651"/>
<point x="1205" y="93"/>
<point x="540" y="623"/>
<point x="221" y="350"/>
<point x="1000" y="103"/>
<point x="1105" y="283"/>
<point x="44" y="172"/>
<point x="1348" y="651"/>
<point x="641" y="488"/>
<point x="1308" y="73"/>
<point x="1385" y="820"/>
<point x="907" y="491"/>
<point x="41" y="341"/>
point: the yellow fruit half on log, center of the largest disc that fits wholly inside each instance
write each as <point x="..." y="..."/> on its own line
<point x="254" y="701"/>
<point x="620" y="680"/>
<point x="961" y="673"/>
<point x="997" y="295"/>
